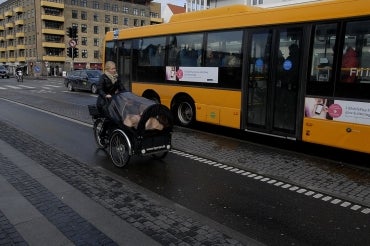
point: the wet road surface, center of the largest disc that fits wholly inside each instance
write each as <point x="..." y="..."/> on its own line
<point x="260" y="209"/>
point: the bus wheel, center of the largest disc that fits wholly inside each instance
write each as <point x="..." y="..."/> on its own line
<point x="185" y="112"/>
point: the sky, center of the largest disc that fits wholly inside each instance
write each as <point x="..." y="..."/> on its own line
<point x="175" y="2"/>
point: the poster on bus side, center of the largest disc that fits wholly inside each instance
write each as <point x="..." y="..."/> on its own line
<point x="192" y="74"/>
<point x="338" y="110"/>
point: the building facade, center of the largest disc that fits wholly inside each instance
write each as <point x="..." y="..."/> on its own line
<point x="196" y="5"/>
<point x="33" y="33"/>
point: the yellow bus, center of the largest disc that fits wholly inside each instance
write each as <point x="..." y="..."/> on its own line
<point x="300" y="72"/>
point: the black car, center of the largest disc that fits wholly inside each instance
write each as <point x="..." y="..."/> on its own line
<point x="4" y="72"/>
<point x="85" y="79"/>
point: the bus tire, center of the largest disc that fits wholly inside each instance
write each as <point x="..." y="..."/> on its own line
<point x="184" y="111"/>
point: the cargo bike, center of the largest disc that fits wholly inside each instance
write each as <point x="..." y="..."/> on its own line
<point x="132" y="126"/>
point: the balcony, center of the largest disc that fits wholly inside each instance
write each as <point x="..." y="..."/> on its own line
<point x="2" y="39"/>
<point x="54" y="45"/>
<point x="54" y="58"/>
<point x="1" y="17"/>
<point x="3" y="60"/>
<point x="11" y="59"/>
<point x="9" y="36"/>
<point x="9" y="25"/>
<point x="53" y="31"/>
<point x="21" y="59"/>
<point x="8" y="13"/>
<point x="19" y="22"/>
<point x="52" y="18"/>
<point x="18" y="9"/>
<point x="21" y="47"/>
<point x="10" y="47"/>
<point x="19" y="35"/>
<point x="2" y="49"/>
<point x="52" y="4"/>
<point x="156" y="20"/>
<point x="2" y="28"/>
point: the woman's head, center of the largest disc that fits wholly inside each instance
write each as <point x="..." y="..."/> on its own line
<point x="110" y="67"/>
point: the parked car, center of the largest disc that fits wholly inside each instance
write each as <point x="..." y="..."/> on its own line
<point x="4" y="72"/>
<point x="85" y="79"/>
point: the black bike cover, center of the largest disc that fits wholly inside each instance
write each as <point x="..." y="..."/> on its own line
<point x="128" y="108"/>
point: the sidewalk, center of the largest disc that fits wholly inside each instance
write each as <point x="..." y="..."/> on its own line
<point x="39" y="208"/>
<point x="49" y="198"/>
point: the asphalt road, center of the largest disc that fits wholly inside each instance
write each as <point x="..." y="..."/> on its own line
<point x="270" y="213"/>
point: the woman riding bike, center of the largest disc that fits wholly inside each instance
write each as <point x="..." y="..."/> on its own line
<point x="19" y="74"/>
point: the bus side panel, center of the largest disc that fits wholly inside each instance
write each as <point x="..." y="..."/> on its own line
<point x="219" y="107"/>
<point x="213" y="115"/>
<point x="230" y="117"/>
<point x="337" y="134"/>
<point x="201" y="112"/>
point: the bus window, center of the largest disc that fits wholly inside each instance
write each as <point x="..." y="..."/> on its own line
<point x="185" y="50"/>
<point x="354" y="72"/>
<point x="224" y="50"/>
<point x="149" y="53"/>
<point x="321" y="76"/>
<point x="110" y="51"/>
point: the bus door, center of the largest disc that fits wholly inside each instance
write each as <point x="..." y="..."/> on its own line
<point x="119" y="51"/>
<point x="272" y="81"/>
<point x="124" y="63"/>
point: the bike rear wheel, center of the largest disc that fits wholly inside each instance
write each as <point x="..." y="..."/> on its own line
<point x="98" y="129"/>
<point x="119" y="149"/>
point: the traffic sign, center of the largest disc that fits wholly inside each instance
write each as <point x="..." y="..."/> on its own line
<point x="72" y="43"/>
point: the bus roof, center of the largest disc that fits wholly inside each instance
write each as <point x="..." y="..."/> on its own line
<point x="221" y="11"/>
<point x="238" y="16"/>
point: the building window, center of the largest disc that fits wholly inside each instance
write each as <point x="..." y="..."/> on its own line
<point x="106" y="6"/>
<point x="107" y="29"/>
<point x="83" y="3"/>
<point x="125" y="10"/>
<point x="96" y="54"/>
<point x="257" y="2"/>
<point x="74" y="14"/>
<point x="142" y="22"/>
<point x="84" y="41"/>
<point x="95" y="5"/>
<point x="142" y="12"/>
<point x="84" y="54"/>
<point x="96" y="17"/>
<point x="115" y="8"/>
<point x="96" y="30"/>
<point x="135" y="11"/>
<point x="83" y="15"/>
<point x="125" y="21"/>
<point x="96" y="42"/>
<point x="136" y="22"/>
<point x="83" y="28"/>
<point x="115" y="19"/>
<point x="52" y="11"/>
<point x="53" y="38"/>
<point x="107" y="18"/>
<point x="154" y="15"/>
<point x="74" y="2"/>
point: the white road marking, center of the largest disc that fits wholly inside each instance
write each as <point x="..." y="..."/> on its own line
<point x="281" y="184"/>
